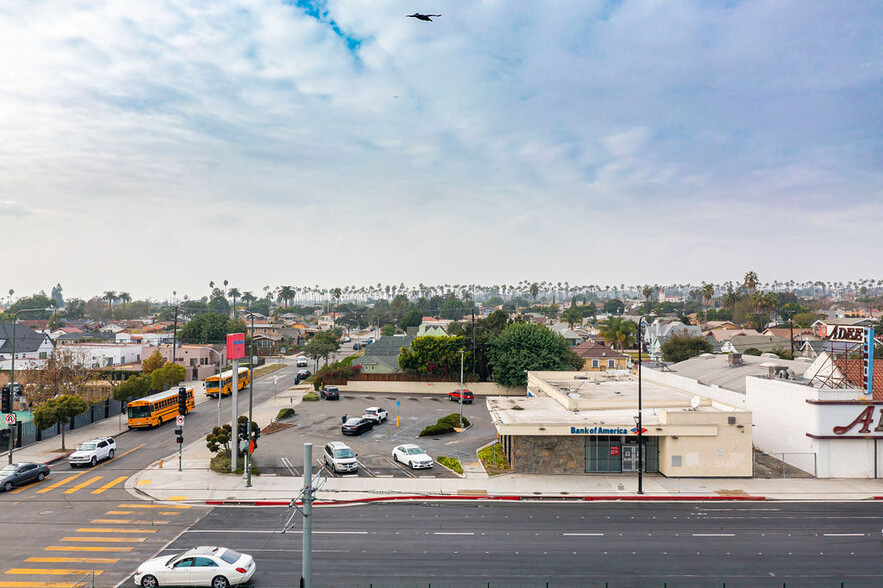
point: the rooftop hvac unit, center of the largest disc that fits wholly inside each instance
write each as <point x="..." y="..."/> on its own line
<point x="734" y="359"/>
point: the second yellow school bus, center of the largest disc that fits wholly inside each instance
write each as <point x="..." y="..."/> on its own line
<point x="226" y="379"/>
<point x="156" y="409"/>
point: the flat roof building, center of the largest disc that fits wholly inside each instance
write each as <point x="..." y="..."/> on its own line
<point x="585" y="422"/>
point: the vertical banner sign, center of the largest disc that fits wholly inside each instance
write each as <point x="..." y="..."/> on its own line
<point x="869" y="361"/>
<point x="235" y="346"/>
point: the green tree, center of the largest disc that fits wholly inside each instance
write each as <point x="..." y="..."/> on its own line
<point x="75" y="308"/>
<point x="219" y="304"/>
<point x="523" y="347"/>
<point x="167" y="376"/>
<point x="132" y="388"/>
<point x="453" y="309"/>
<point x="40" y="301"/>
<point x="619" y="333"/>
<point x="388" y="330"/>
<point x="152" y="363"/>
<point x="534" y="291"/>
<point x="614" y="306"/>
<point x="751" y="280"/>
<point x="572" y="315"/>
<point x="412" y="318"/>
<point x="219" y="439"/>
<point x="682" y="347"/>
<point x="321" y="346"/>
<point x="211" y="327"/>
<point x="435" y="356"/>
<point x="59" y="411"/>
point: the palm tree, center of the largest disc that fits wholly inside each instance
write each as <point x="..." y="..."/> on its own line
<point x="751" y="281"/>
<point x="225" y="287"/>
<point x="534" y="290"/>
<point x="110" y="296"/>
<point x="619" y="333"/>
<point x="707" y="294"/>
<point x="248" y="298"/>
<point x="11" y="292"/>
<point x="234" y="294"/>
<point x="286" y="293"/>
<point x="125" y="298"/>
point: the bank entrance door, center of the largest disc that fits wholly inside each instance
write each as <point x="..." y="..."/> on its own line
<point x="629" y="458"/>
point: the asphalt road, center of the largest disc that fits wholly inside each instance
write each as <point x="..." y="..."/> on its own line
<point x="81" y="520"/>
<point x="611" y="545"/>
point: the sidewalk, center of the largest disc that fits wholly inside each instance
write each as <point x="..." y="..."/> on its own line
<point x="197" y="484"/>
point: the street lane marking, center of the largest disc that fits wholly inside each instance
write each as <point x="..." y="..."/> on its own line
<point x="582" y="534"/>
<point x="82" y="485"/>
<point x="52" y="572"/>
<point x="169" y="514"/>
<point x="6" y="584"/>
<point x="109" y="485"/>
<point x="105" y="539"/>
<point x="441" y="533"/>
<point x="115" y="512"/>
<point x="60" y="483"/>
<point x="142" y="482"/>
<point x="844" y="535"/>
<point x="126" y="453"/>
<point x="71" y="560"/>
<point x="106" y="521"/>
<point x="84" y="548"/>
<point x="714" y="534"/>
<point x="146" y="522"/>
<point x="108" y="530"/>
<point x="154" y="506"/>
<point x="23" y="488"/>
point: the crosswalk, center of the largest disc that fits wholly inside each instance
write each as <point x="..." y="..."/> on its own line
<point x="86" y="553"/>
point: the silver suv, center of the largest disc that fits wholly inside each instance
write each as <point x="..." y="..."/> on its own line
<point x="340" y="458"/>
<point x="93" y="451"/>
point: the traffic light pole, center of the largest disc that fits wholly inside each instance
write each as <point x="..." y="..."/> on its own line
<point x="180" y="448"/>
<point x="307" y="548"/>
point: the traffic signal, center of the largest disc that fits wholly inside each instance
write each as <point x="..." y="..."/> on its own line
<point x="243" y="430"/>
<point x="7" y="399"/>
<point x="180" y="433"/>
<point x="182" y="400"/>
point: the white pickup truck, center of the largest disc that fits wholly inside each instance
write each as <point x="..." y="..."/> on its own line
<point x="93" y="451"/>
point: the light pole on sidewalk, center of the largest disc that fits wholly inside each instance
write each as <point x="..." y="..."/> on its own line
<point x="250" y="403"/>
<point x="462" y="354"/>
<point x="638" y="420"/>
<point x="220" y="371"/>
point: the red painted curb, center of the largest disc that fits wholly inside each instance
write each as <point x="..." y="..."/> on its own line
<point x="503" y="498"/>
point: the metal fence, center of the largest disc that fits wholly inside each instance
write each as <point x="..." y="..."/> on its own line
<point x="28" y="434"/>
<point x="785" y="465"/>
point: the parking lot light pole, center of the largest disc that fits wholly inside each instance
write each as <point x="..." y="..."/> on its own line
<point x="462" y="354"/>
<point x="12" y="374"/>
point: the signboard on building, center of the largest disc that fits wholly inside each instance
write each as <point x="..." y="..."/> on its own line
<point x="235" y="346"/>
<point x="865" y="337"/>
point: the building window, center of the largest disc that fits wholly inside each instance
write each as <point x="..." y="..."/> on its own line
<point x="595" y="363"/>
<point x="192" y="361"/>
<point x="43" y="355"/>
<point x="611" y="363"/>
<point x="675" y="461"/>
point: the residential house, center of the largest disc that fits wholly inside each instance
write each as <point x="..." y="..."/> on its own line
<point x="431" y="321"/>
<point x="425" y="330"/>
<point x="85" y="337"/>
<point x="712" y="325"/>
<point x="814" y="348"/>
<point x="200" y="361"/>
<point x="382" y="356"/>
<point x="660" y="331"/>
<point x="64" y="331"/>
<point x="572" y="338"/>
<point x="102" y="355"/>
<point x="721" y="335"/>
<point x="599" y="358"/>
<point x="29" y="344"/>
<point x="152" y="339"/>
<point x="763" y="343"/>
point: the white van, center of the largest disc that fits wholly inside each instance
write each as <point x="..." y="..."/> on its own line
<point x="340" y="458"/>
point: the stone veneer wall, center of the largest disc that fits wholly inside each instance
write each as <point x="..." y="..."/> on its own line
<point x="548" y="455"/>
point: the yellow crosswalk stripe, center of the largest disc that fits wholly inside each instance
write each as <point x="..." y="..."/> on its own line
<point x="60" y="483"/>
<point x="109" y="485"/>
<point x="146" y="522"/>
<point x="169" y="514"/>
<point x="71" y="560"/>
<point x="103" y="549"/>
<point x="105" y="539"/>
<point x="106" y="521"/>
<point x="23" y="488"/>
<point x="52" y="572"/>
<point x="82" y="485"/>
<point x="116" y="512"/>
<point x="107" y="530"/>
<point x="154" y="506"/>
<point x="13" y="584"/>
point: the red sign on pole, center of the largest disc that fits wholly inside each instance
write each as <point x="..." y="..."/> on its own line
<point x="614" y="450"/>
<point x="235" y="346"/>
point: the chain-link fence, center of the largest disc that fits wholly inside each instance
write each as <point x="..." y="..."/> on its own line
<point x="785" y="465"/>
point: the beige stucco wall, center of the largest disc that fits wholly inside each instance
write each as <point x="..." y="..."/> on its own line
<point x="726" y="454"/>
<point x="478" y="388"/>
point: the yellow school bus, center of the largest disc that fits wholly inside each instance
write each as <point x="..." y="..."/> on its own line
<point x="156" y="409"/>
<point x="226" y="379"/>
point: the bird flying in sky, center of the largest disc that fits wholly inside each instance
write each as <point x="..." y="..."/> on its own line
<point x="425" y="17"/>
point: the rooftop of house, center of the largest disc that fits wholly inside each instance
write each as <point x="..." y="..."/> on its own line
<point x="27" y="340"/>
<point x="721" y="335"/>
<point x="590" y="349"/>
<point x="716" y="370"/>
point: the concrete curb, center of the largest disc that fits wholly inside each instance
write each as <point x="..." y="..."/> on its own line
<point x="504" y="498"/>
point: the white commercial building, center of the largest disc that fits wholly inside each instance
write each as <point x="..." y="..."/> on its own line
<point x="100" y="355"/>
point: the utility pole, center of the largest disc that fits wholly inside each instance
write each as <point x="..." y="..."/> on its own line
<point x="234" y="420"/>
<point x="462" y="354"/>
<point x="640" y="420"/>
<point x="250" y="404"/>
<point x="306" y="579"/>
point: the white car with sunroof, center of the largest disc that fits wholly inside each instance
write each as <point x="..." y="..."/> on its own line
<point x="218" y="567"/>
<point x="412" y="456"/>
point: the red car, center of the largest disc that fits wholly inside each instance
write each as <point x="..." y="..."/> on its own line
<point x="468" y="396"/>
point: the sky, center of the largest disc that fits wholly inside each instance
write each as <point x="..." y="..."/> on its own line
<point x="152" y="147"/>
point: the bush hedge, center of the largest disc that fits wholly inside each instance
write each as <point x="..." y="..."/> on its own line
<point x="311" y="397"/>
<point x="445" y="425"/>
<point x="451" y="463"/>
<point x="285" y="413"/>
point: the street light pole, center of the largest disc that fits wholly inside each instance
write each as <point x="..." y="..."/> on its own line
<point x="462" y="354"/>
<point x="250" y="405"/>
<point x="220" y="371"/>
<point x="12" y="373"/>
<point x="640" y="420"/>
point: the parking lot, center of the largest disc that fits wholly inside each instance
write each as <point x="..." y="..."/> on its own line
<point x="319" y="422"/>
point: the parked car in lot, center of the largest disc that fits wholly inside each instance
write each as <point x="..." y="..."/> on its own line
<point x="376" y="414"/>
<point x="19" y="474"/>
<point x="329" y="393"/>
<point x="218" y="567"/>
<point x="93" y="451"/>
<point x="356" y="426"/>
<point x="412" y="456"/>
<point x="301" y="376"/>
<point x="356" y="346"/>
<point x="468" y="396"/>
<point x="302" y="361"/>
<point x="340" y="458"/>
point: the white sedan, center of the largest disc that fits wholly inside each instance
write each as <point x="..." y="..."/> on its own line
<point x="217" y="567"/>
<point x="412" y="456"/>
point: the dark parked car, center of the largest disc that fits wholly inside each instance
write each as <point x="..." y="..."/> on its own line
<point x="356" y="426"/>
<point x="19" y="474"/>
<point x="468" y="396"/>
<point x="301" y="375"/>
<point x="329" y="393"/>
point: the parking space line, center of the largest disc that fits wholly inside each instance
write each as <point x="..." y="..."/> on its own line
<point x="111" y="521"/>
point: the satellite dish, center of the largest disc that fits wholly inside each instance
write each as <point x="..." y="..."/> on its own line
<point x="694" y="402"/>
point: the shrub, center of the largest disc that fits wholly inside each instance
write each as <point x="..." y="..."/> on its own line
<point x="285" y="413"/>
<point x="451" y="463"/>
<point x="311" y="397"/>
<point x="445" y="425"/>
<point x="493" y="459"/>
<point x="221" y="463"/>
<point x="752" y="351"/>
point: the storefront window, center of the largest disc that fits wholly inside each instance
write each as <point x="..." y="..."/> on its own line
<point x="603" y="454"/>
